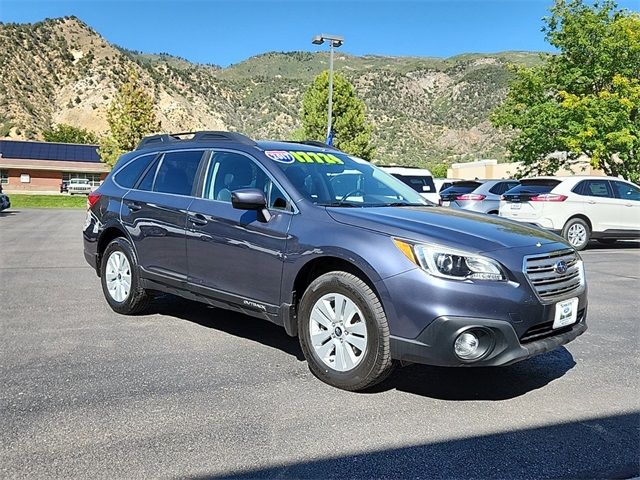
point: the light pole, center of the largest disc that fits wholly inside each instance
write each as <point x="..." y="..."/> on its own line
<point x="334" y="42"/>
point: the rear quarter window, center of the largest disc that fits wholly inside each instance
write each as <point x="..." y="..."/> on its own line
<point x="594" y="188"/>
<point x="128" y="175"/>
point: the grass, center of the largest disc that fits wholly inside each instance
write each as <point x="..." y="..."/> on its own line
<point x="19" y="200"/>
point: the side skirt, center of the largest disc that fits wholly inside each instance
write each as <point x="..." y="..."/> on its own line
<point x="280" y="315"/>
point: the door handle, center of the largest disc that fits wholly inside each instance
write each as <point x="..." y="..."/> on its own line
<point x="133" y="206"/>
<point x="591" y="202"/>
<point x="198" y="219"/>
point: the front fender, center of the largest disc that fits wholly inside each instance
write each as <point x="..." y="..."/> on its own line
<point x="371" y="252"/>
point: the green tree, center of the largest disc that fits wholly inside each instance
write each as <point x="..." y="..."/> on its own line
<point x="63" y="133"/>
<point x="439" y="170"/>
<point x="351" y="132"/>
<point x="130" y="116"/>
<point x="585" y="99"/>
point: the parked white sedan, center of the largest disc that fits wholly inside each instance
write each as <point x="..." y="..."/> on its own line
<point x="578" y="208"/>
<point x="79" y="186"/>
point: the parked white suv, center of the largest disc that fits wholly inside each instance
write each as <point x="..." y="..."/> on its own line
<point x="579" y="208"/>
<point x="420" y="179"/>
<point x="79" y="186"/>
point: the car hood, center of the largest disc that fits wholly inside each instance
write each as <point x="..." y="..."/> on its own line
<point x="456" y="228"/>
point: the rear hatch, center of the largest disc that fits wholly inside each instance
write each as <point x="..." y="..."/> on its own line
<point x="526" y="201"/>
<point x="456" y="190"/>
<point x="420" y="183"/>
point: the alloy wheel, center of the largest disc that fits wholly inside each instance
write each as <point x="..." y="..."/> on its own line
<point x="118" y="276"/>
<point x="576" y="234"/>
<point x="338" y="332"/>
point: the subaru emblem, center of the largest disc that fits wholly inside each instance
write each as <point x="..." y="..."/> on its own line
<point x="560" y="267"/>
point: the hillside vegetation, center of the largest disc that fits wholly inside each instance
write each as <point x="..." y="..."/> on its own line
<point x="424" y="110"/>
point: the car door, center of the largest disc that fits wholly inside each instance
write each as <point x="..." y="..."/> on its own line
<point x="236" y="255"/>
<point x="155" y="215"/>
<point x="628" y="199"/>
<point x="599" y="204"/>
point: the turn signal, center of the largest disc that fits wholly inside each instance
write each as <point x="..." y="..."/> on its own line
<point x="405" y="248"/>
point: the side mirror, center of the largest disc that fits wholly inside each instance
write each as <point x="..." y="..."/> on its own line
<point x="250" y="199"/>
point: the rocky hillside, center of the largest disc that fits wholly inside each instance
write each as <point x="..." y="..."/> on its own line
<point x="424" y="110"/>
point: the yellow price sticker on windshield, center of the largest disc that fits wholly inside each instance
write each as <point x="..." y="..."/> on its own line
<point x="291" y="156"/>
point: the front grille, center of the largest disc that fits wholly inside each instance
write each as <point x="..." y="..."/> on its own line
<point x="545" y="279"/>
<point x="544" y="330"/>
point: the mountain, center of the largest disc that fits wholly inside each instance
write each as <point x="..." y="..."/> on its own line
<point x="424" y="110"/>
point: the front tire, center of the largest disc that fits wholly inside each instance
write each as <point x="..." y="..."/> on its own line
<point x="344" y="333"/>
<point x="577" y="232"/>
<point x="120" y="280"/>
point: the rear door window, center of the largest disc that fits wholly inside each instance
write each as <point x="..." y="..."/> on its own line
<point x="595" y="188"/>
<point x="177" y="172"/>
<point x="128" y="175"/>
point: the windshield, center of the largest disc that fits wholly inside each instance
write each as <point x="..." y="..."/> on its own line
<point x="340" y="180"/>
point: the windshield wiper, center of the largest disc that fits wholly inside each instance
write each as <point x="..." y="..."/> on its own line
<point x="341" y="204"/>
<point x="406" y="204"/>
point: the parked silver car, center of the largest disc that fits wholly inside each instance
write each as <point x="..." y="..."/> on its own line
<point x="481" y="196"/>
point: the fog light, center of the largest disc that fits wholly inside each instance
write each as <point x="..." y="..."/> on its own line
<point x="467" y="346"/>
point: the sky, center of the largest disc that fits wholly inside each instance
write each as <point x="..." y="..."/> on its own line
<point x="228" y="32"/>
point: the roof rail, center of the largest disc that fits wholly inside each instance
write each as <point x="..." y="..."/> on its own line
<point x="202" y="136"/>
<point x="314" y="143"/>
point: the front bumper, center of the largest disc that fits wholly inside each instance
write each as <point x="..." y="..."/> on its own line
<point x="435" y="345"/>
<point x="426" y="314"/>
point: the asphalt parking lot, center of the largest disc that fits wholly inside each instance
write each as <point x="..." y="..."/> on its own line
<point x="192" y="391"/>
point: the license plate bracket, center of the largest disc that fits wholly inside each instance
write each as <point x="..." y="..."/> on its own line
<point x="566" y="313"/>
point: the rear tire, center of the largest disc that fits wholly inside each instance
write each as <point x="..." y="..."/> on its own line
<point x="120" y="279"/>
<point x="577" y="232"/>
<point x="344" y="333"/>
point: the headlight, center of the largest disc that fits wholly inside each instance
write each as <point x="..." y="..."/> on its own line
<point x="445" y="262"/>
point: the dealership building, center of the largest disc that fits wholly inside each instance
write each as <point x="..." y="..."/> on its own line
<point x="42" y="166"/>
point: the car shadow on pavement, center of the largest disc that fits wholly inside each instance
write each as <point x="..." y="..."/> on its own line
<point x="494" y="383"/>
<point x="603" y="447"/>
<point x="233" y="323"/>
<point x="8" y="213"/>
<point x="478" y="383"/>
<point x="619" y="245"/>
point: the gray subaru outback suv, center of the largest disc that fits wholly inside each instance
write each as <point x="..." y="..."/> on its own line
<point x="347" y="258"/>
